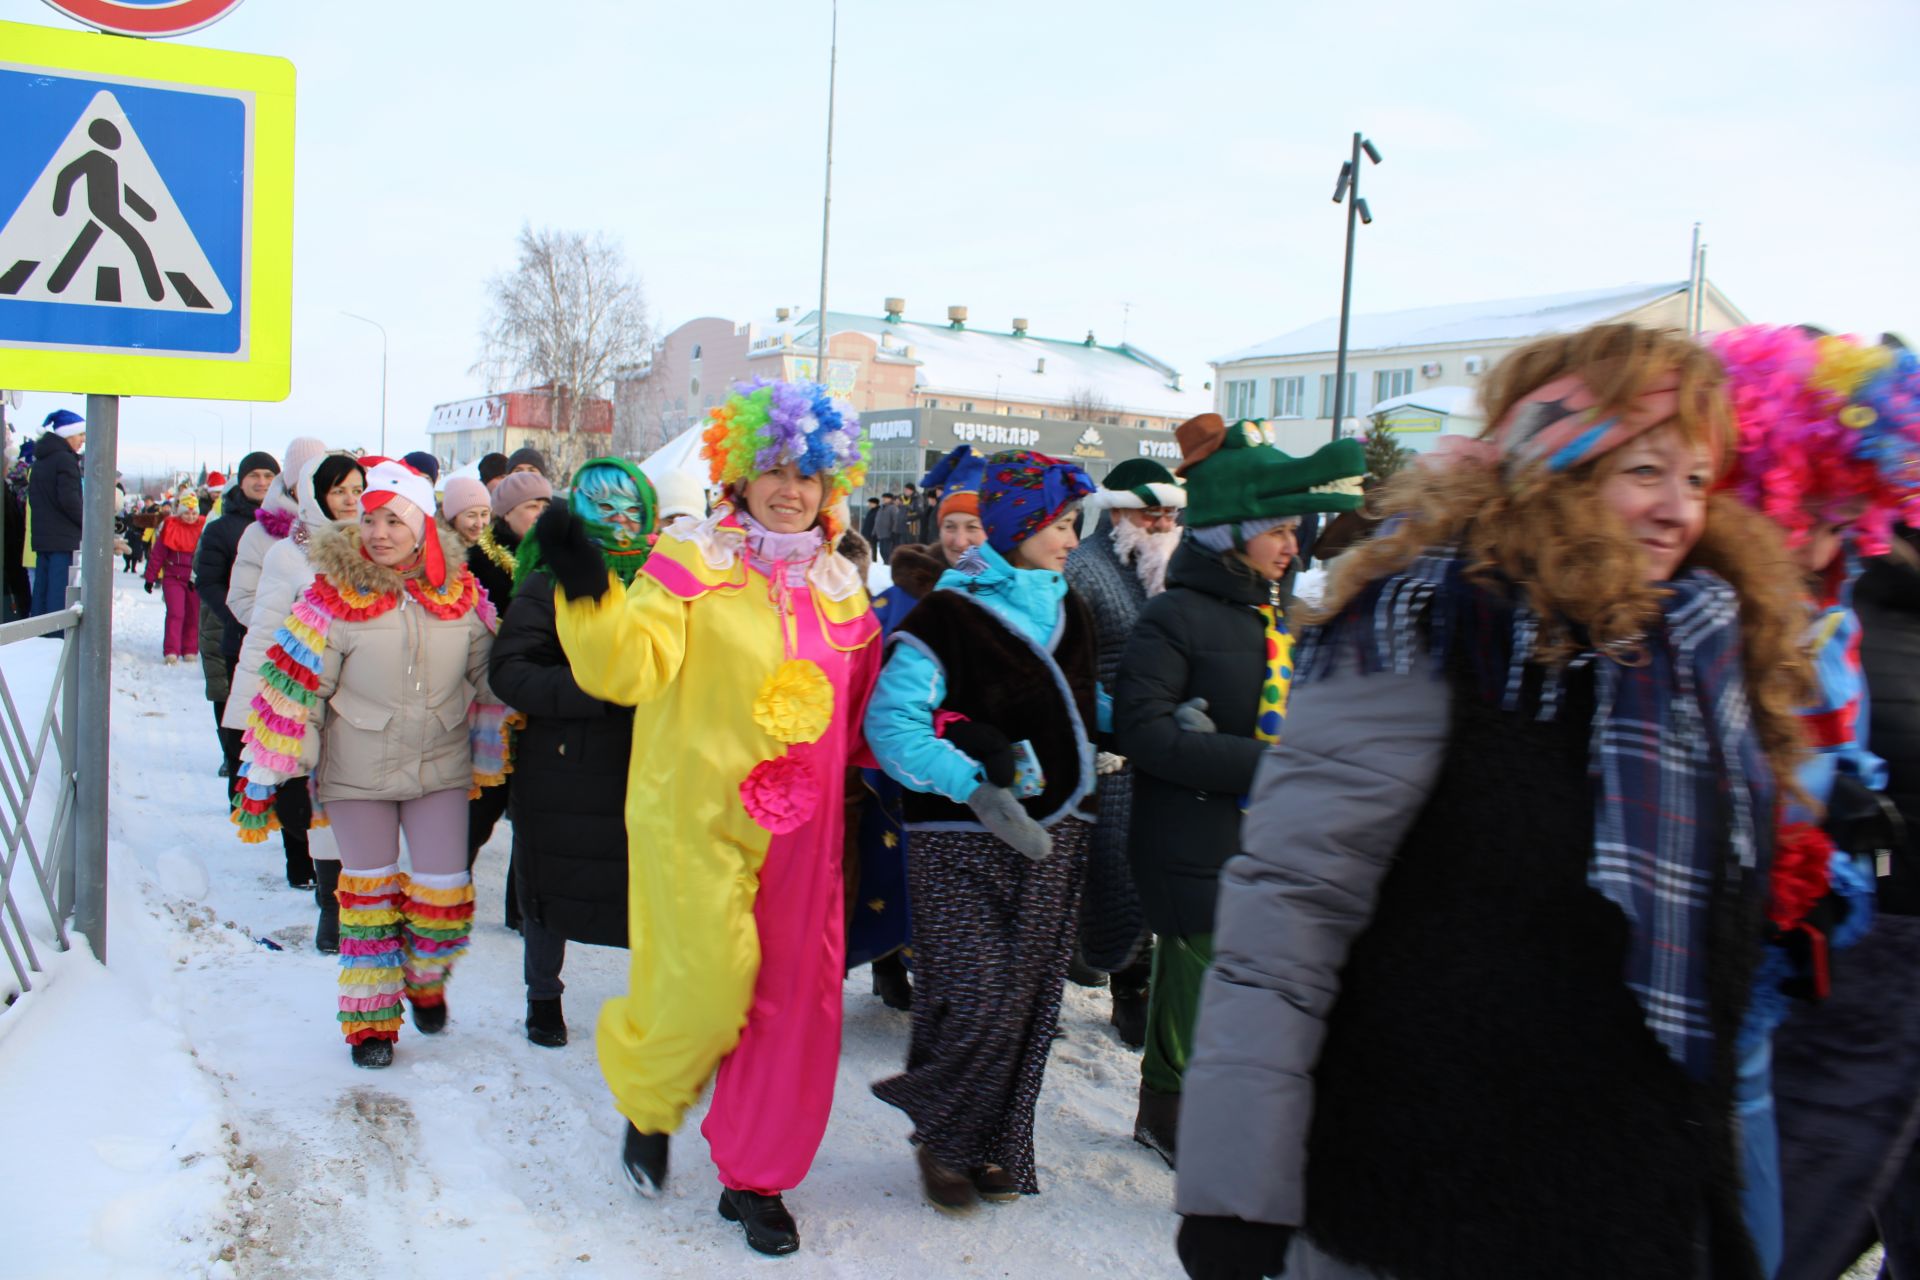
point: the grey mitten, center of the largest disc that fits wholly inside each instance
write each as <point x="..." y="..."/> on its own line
<point x="1002" y="815"/>
<point x="1192" y="716"/>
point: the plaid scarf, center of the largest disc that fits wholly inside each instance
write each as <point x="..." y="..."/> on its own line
<point x="1679" y="778"/>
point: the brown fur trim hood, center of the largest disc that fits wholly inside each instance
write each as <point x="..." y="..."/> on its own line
<point x="335" y="552"/>
<point x="916" y="568"/>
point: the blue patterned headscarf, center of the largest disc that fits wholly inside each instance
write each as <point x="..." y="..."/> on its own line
<point x="1023" y="492"/>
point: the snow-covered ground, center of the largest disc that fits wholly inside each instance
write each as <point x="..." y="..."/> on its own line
<point x="190" y="1109"/>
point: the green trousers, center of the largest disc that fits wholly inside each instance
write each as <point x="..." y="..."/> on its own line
<point x="1173" y="1004"/>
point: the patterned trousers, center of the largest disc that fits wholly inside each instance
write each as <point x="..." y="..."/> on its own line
<point x="992" y="935"/>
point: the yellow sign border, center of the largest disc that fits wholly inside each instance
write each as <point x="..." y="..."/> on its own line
<point x="267" y="372"/>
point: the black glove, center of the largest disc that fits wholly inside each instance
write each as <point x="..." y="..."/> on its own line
<point x="1232" y="1248"/>
<point x="1861" y="821"/>
<point x="987" y="745"/>
<point x="573" y="562"/>
<point x="149" y="586"/>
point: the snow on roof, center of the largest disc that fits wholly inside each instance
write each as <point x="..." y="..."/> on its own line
<point x="1454" y="402"/>
<point x="978" y="363"/>
<point x="1500" y="320"/>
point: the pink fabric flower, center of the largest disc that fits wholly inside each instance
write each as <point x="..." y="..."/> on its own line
<point x="781" y="794"/>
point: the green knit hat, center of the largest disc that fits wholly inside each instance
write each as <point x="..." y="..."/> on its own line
<point x="1234" y="474"/>
<point x="1134" y="485"/>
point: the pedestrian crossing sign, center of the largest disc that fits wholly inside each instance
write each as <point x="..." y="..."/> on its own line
<point x="146" y="217"/>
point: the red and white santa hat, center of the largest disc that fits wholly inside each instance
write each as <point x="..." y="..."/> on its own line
<point x="410" y="494"/>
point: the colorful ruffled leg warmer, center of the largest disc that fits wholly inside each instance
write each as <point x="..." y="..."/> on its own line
<point x="439" y="914"/>
<point x="372" y="960"/>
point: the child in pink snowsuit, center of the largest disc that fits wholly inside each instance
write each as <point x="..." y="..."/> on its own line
<point x="171" y="565"/>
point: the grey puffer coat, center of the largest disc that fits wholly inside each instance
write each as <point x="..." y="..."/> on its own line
<point x="1332" y="802"/>
<point x="395" y="690"/>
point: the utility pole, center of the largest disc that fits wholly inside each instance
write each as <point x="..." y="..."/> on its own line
<point x="826" y="204"/>
<point x="1349" y="183"/>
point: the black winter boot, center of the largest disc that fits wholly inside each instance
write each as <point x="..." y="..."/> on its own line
<point x="299" y="864"/>
<point x="1156" y="1125"/>
<point x="326" y="884"/>
<point x="546" y="1023"/>
<point x="890" y="983"/>
<point x="1082" y="974"/>
<point x="770" y="1228"/>
<point x="1130" y="1017"/>
<point x="373" y="1053"/>
<point x="645" y="1158"/>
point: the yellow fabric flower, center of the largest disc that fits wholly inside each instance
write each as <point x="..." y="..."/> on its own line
<point x="796" y="702"/>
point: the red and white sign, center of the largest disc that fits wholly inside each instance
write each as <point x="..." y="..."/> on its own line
<point x="146" y="17"/>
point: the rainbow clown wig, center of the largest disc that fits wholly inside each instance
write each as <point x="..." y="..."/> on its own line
<point x="1824" y="423"/>
<point x="764" y="425"/>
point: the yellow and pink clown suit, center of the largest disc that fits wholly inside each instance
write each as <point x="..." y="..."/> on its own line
<point x="749" y="657"/>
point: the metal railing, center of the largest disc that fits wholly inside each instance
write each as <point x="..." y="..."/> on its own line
<point x="53" y="781"/>
<point x="38" y="796"/>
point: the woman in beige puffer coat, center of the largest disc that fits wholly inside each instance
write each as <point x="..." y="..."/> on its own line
<point x="369" y="685"/>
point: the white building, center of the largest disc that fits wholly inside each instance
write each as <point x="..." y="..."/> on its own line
<point x="1421" y="366"/>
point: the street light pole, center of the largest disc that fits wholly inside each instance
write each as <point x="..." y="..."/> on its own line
<point x="826" y="204"/>
<point x="1349" y="184"/>
<point x="383" y="374"/>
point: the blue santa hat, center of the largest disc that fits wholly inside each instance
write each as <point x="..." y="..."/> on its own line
<point x="65" y="423"/>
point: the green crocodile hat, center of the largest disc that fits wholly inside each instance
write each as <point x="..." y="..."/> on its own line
<point x="1234" y="474"/>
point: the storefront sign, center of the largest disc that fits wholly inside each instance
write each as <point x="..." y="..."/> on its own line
<point x="1089" y="445"/>
<point x="996" y="433"/>
<point x="1169" y="449"/>
<point x="890" y="429"/>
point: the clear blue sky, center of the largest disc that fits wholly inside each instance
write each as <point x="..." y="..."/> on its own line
<point x="1059" y="160"/>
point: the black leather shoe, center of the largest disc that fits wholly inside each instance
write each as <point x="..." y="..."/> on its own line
<point x="645" y="1158"/>
<point x="770" y="1228"/>
<point x="546" y="1023"/>
<point x="373" y="1053"/>
<point x="431" y="1019"/>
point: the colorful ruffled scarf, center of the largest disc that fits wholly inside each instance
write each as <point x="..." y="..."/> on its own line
<point x="290" y="679"/>
<point x="1683" y="795"/>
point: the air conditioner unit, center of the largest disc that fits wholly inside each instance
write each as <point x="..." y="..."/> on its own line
<point x="1431" y="369"/>
<point x="1476" y="364"/>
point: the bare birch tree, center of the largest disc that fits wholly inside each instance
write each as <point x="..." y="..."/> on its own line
<point x="1090" y="404"/>
<point x="567" y="316"/>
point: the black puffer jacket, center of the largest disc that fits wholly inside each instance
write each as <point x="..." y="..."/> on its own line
<point x="1110" y="917"/>
<point x="213" y="565"/>
<point x="569" y="779"/>
<point x="1203" y="637"/>
<point x="1887" y="598"/>
<point x="53" y="495"/>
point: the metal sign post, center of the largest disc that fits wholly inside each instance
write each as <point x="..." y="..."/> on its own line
<point x="93" y="674"/>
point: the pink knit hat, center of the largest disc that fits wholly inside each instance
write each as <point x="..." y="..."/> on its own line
<point x="300" y="451"/>
<point x="518" y="487"/>
<point x="463" y="493"/>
